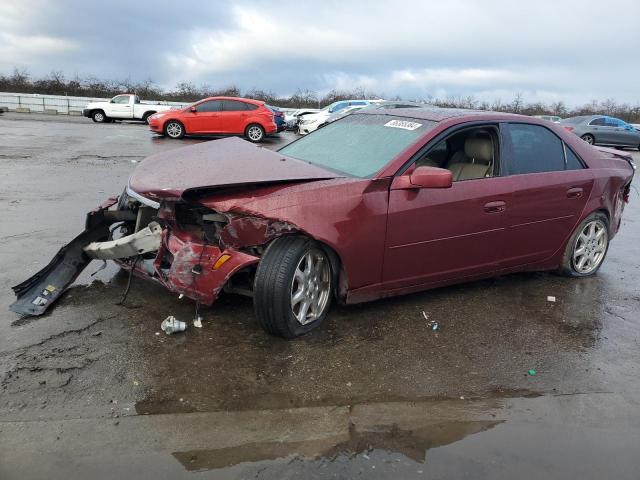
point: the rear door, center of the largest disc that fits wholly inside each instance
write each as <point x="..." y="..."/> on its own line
<point x="206" y="118"/>
<point x="551" y="187"/>
<point x="233" y="115"/>
<point x="615" y="131"/>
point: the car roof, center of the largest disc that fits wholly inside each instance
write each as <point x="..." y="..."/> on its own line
<point x="437" y="114"/>
<point x="239" y="99"/>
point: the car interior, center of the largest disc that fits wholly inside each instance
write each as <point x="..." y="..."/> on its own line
<point x="469" y="154"/>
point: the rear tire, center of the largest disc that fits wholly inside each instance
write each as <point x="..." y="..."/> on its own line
<point x="587" y="247"/>
<point x="293" y="287"/>
<point x="98" y="116"/>
<point x="254" y="133"/>
<point x="589" y="139"/>
<point x="174" y="129"/>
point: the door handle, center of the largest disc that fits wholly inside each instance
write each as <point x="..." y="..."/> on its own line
<point x="574" y="192"/>
<point x="495" y="207"/>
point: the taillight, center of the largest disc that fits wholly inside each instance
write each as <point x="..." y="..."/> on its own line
<point x="568" y="128"/>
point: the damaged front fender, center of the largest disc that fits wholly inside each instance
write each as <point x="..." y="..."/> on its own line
<point x="249" y="231"/>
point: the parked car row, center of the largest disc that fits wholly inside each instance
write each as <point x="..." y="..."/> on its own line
<point x="255" y="119"/>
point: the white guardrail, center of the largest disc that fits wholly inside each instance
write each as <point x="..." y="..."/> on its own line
<point x="55" y="104"/>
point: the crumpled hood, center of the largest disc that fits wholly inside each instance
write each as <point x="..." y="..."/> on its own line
<point x="209" y="166"/>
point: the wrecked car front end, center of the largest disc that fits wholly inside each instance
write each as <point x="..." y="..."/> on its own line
<point x="160" y="235"/>
<point x="191" y="258"/>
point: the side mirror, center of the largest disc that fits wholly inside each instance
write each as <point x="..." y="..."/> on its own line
<point x="424" y="177"/>
<point x="431" y="177"/>
<point x="193" y="109"/>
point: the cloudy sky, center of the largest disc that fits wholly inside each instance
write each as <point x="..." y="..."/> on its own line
<point x="571" y="50"/>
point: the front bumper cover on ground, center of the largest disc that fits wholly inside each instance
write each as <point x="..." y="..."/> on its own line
<point x="37" y="293"/>
<point x="182" y="262"/>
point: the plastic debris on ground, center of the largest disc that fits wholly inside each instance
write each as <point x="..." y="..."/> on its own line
<point x="431" y="323"/>
<point x="551" y="299"/>
<point x="172" y="325"/>
<point x="197" y="322"/>
<point x="532" y="372"/>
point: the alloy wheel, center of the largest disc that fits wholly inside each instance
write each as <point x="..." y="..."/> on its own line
<point x="311" y="287"/>
<point x="590" y="247"/>
<point x="254" y="133"/>
<point x="174" y="130"/>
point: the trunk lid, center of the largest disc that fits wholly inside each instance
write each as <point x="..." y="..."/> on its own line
<point x="209" y="166"/>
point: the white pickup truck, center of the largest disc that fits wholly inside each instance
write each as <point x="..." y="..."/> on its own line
<point x="122" y="107"/>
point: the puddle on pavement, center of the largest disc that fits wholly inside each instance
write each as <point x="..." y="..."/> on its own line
<point x="410" y="444"/>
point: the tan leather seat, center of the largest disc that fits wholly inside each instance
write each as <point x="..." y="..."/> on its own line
<point x="475" y="161"/>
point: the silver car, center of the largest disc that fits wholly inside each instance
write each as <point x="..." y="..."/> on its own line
<point x="603" y="130"/>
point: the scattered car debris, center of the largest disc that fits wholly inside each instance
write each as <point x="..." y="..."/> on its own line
<point x="172" y="325"/>
<point x="432" y="324"/>
<point x="551" y="298"/>
<point x="532" y="372"/>
<point x="197" y="322"/>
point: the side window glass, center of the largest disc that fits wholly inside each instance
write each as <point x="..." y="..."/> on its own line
<point x="121" y="100"/>
<point x="233" y="106"/>
<point x="611" y="122"/>
<point x="534" y="149"/>
<point x="597" y="122"/>
<point x="211" y="106"/>
<point x="435" y="157"/>
<point x="573" y="162"/>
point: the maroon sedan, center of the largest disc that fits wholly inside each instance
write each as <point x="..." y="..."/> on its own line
<point x="380" y="203"/>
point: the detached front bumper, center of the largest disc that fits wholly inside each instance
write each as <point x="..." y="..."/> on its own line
<point x="179" y="260"/>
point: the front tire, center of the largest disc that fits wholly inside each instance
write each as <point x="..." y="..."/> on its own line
<point x="590" y="139"/>
<point x="587" y="247"/>
<point x="293" y="287"/>
<point x="145" y="117"/>
<point x="174" y="129"/>
<point x="98" y="116"/>
<point x="254" y="133"/>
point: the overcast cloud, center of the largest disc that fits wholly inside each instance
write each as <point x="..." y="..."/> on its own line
<point x="567" y="50"/>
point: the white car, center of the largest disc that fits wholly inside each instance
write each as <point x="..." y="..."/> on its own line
<point x="312" y="121"/>
<point x="550" y="118"/>
<point x="122" y="107"/>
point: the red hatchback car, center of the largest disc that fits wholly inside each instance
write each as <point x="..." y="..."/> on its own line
<point x="219" y="116"/>
<point x="379" y="203"/>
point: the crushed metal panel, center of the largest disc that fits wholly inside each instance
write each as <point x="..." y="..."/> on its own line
<point x="143" y="241"/>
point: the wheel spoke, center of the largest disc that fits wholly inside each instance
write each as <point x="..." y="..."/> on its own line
<point x="298" y="297"/>
<point x="302" y="313"/>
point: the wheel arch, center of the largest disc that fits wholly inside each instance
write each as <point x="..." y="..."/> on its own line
<point x="338" y="272"/>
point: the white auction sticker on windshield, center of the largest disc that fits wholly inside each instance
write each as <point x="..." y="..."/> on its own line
<point x="403" y="124"/>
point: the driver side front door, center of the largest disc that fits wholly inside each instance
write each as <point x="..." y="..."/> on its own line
<point x="437" y="235"/>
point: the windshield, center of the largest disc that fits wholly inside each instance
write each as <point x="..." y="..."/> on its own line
<point x="358" y="145"/>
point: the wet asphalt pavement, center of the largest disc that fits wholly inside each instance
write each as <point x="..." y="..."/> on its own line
<point x="95" y="389"/>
